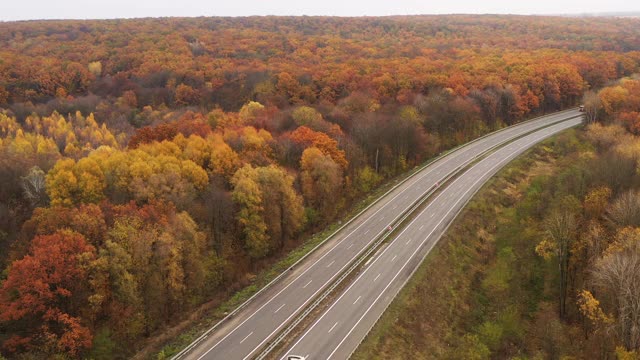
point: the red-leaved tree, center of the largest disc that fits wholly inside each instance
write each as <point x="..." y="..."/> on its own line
<point x="41" y="296"/>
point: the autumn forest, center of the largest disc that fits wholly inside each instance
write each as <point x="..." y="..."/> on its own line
<point x="149" y="166"/>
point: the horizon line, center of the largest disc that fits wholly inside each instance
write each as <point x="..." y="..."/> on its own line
<point x="630" y="13"/>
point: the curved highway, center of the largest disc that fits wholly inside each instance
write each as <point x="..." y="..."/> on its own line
<point x="244" y="334"/>
<point x="341" y="328"/>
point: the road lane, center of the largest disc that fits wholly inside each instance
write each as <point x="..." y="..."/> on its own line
<point x="251" y="328"/>
<point x="379" y="282"/>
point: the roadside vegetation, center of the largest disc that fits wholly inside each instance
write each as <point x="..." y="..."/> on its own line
<point x="544" y="261"/>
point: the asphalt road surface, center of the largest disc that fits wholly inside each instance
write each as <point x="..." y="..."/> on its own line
<point x="341" y="328"/>
<point x="243" y="335"/>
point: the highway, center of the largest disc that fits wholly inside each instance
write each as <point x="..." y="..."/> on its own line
<point x="341" y="328"/>
<point x="244" y="334"/>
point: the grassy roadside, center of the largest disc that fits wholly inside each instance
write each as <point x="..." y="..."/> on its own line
<point x="482" y="292"/>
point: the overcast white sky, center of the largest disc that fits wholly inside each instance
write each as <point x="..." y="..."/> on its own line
<point x="107" y="9"/>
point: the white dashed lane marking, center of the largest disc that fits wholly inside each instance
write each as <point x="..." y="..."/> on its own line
<point x="246" y="337"/>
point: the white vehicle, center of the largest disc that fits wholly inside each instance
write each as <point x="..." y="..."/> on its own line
<point x="295" y="357"/>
